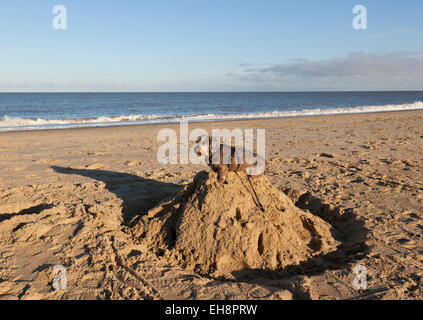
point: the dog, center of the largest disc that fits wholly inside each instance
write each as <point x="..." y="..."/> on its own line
<point x="237" y="159"/>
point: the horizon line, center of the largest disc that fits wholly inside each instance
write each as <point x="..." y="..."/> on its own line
<point x="265" y="91"/>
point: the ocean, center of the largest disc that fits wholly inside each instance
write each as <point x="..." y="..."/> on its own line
<point x="34" y="111"/>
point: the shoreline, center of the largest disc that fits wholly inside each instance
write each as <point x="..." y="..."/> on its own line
<point x="203" y="122"/>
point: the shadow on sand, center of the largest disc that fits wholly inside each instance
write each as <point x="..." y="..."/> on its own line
<point x="138" y="194"/>
<point x="28" y="211"/>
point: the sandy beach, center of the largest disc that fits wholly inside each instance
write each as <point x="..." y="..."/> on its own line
<point x="75" y="198"/>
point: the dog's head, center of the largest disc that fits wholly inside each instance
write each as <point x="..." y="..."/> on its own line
<point x="203" y="145"/>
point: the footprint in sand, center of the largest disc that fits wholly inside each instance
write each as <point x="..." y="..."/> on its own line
<point x="132" y="163"/>
<point x="326" y="155"/>
<point x="43" y="161"/>
<point x="92" y="153"/>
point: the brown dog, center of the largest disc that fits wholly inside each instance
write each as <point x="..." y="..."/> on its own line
<point x="236" y="161"/>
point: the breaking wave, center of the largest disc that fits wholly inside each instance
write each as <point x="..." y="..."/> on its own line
<point x="15" y="123"/>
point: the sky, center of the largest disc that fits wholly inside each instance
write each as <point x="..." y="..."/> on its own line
<point x="198" y="45"/>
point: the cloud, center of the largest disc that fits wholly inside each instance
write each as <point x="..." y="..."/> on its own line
<point x="52" y="85"/>
<point x="209" y="84"/>
<point x="250" y="70"/>
<point x="354" y="65"/>
<point x="402" y="70"/>
<point x="364" y="71"/>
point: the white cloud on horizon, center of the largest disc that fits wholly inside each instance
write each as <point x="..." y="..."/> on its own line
<point x="402" y="70"/>
<point x="357" y="71"/>
<point x="356" y="64"/>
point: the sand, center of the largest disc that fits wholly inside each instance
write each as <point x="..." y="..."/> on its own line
<point x="219" y="230"/>
<point x="81" y="198"/>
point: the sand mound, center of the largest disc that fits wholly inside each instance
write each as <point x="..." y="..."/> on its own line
<point x="212" y="228"/>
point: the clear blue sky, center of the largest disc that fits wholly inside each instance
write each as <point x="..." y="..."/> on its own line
<point x="210" y="46"/>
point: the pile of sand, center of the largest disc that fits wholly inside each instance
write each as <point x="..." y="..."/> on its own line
<point x="214" y="228"/>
